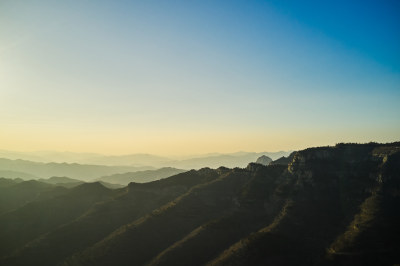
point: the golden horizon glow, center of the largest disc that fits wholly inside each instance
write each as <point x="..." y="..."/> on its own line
<point x="119" y="142"/>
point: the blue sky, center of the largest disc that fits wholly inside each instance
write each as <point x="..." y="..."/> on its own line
<point x="175" y="77"/>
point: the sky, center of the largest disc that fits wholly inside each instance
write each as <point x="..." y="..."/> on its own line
<point x="187" y="77"/>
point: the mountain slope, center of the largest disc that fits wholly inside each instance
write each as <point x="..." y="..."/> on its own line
<point x="326" y="206"/>
<point x="125" y="206"/>
<point x="337" y="217"/>
<point x="249" y="212"/>
<point x="173" y="221"/>
<point x="16" y="194"/>
<point x="46" y="213"/>
<point x="310" y="206"/>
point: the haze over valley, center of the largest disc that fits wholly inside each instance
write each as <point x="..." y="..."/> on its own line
<point x="117" y="169"/>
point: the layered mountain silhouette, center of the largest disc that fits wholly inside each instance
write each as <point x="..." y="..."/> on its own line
<point x="116" y="169"/>
<point x="326" y="206"/>
<point x="141" y="176"/>
<point x="140" y="161"/>
<point x="33" y="170"/>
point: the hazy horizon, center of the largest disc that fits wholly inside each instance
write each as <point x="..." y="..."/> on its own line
<point x="166" y="156"/>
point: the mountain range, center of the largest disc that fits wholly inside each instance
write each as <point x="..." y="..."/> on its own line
<point x="238" y="159"/>
<point x="113" y="168"/>
<point x="33" y="170"/>
<point x="324" y="206"/>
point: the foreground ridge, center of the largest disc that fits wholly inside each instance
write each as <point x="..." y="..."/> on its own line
<point x="320" y="206"/>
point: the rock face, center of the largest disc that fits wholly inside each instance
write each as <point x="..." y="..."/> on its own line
<point x="342" y="206"/>
<point x="264" y="160"/>
<point x="283" y="160"/>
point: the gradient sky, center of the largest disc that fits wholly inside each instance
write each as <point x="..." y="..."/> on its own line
<point x="181" y="77"/>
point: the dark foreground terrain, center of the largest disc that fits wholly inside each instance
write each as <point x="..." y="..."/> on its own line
<point x="321" y="206"/>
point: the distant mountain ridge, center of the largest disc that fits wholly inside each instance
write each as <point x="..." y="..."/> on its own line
<point x="18" y="168"/>
<point x="225" y="160"/>
<point x="73" y="170"/>
<point x="59" y="179"/>
<point x="237" y="159"/>
<point x="70" y="182"/>
<point x="16" y="174"/>
<point x="141" y="176"/>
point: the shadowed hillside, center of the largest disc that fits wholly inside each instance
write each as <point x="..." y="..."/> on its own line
<point x="325" y="206"/>
<point x="47" y="213"/>
<point x="14" y="193"/>
<point x="344" y="211"/>
<point x="99" y="218"/>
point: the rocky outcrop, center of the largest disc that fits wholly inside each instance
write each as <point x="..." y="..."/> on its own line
<point x="264" y="160"/>
<point x="283" y="160"/>
<point x="343" y="211"/>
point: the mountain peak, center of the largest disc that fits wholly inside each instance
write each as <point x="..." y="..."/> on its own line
<point x="264" y="160"/>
